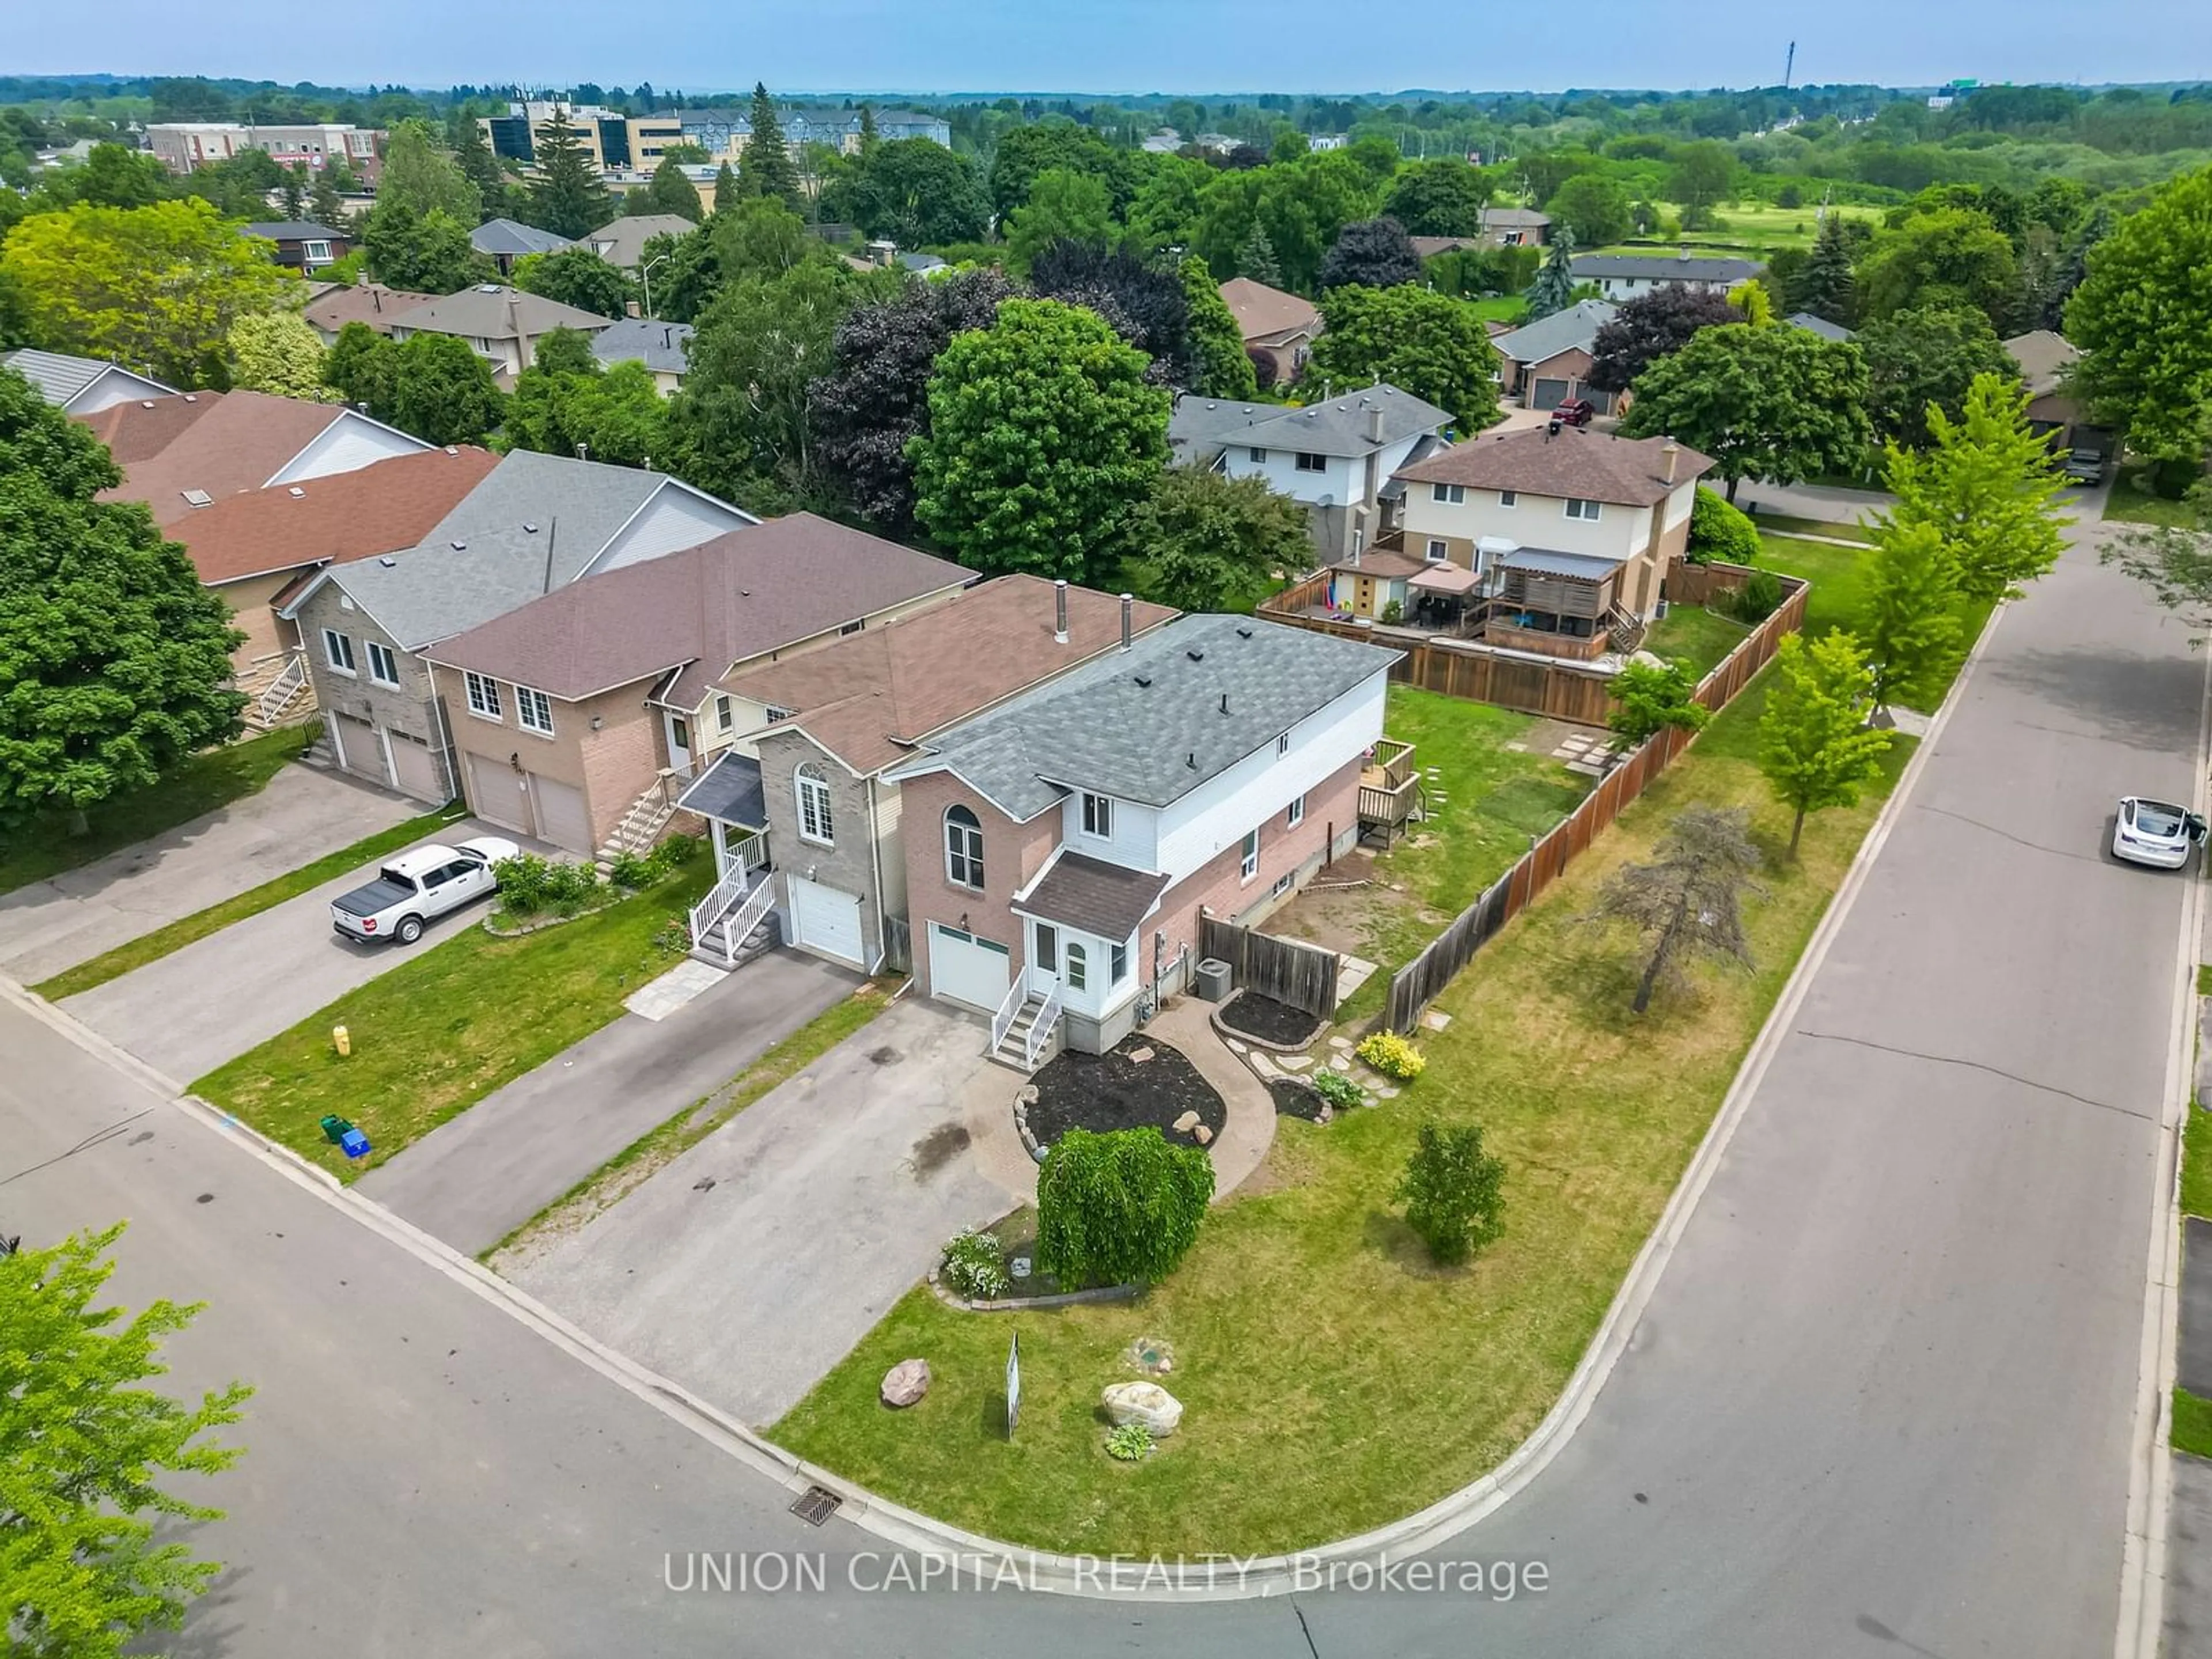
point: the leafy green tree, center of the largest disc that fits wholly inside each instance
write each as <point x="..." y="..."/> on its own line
<point x="114" y="661"/>
<point x="917" y="193"/>
<point x="1209" y="542"/>
<point x="428" y="253"/>
<point x="2174" y="560"/>
<point x="1145" y="303"/>
<point x="688" y="275"/>
<point x="1256" y="259"/>
<point x="1651" y="326"/>
<point x="324" y="204"/>
<point x="156" y="287"/>
<point x="1553" y="290"/>
<point x="1452" y="1192"/>
<point x="1910" y="615"/>
<point x="359" y="365"/>
<point x="1370" y="253"/>
<point x="1941" y="260"/>
<point x="725" y="187"/>
<point x="421" y="175"/>
<point x="673" y="191"/>
<point x="1650" y="698"/>
<point x="1921" y="360"/>
<point x="1122" y="1208"/>
<point x="2143" y="317"/>
<point x="1062" y="206"/>
<point x="113" y="176"/>
<point x="1986" y="484"/>
<point x="1043" y="438"/>
<point x="1595" y="210"/>
<point x="1687" y="901"/>
<point x="1042" y="146"/>
<point x="277" y="352"/>
<point x="1421" y="342"/>
<point x="1443" y="197"/>
<point x="1718" y="531"/>
<point x="440" y="390"/>
<point x="86" y="1441"/>
<point x="1814" y="744"/>
<point x="576" y="276"/>
<point x="1701" y="178"/>
<point x="567" y="196"/>
<point x="765" y="168"/>
<point x="1224" y="370"/>
<point x="759" y="236"/>
<point x="1778" y="403"/>
<point x="565" y="404"/>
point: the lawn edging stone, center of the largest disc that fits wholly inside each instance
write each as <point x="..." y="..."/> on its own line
<point x="1027" y="1303"/>
<point x="1235" y="1035"/>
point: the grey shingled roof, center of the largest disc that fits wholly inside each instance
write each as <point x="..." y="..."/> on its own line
<point x="1106" y="900"/>
<point x="493" y="311"/>
<point x="730" y="790"/>
<point x="663" y="347"/>
<point x="1336" y="427"/>
<point x="1099" y="728"/>
<point x="1662" y="268"/>
<point x="1574" y="328"/>
<point x="1820" y="325"/>
<point x="60" y="377"/>
<point x="513" y="237"/>
<point x="622" y="241"/>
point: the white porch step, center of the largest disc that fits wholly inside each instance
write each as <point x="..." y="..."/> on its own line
<point x="1013" y="1048"/>
<point x="714" y="941"/>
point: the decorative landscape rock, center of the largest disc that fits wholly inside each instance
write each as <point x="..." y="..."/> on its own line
<point x="905" y="1383"/>
<point x="1294" y="1062"/>
<point x="1205" y="1136"/>
<point x="1185" y="1123"/>
<point x="1148" y="1403"/>
<point x="1151" y="1355"/>
<point x="1028" y="1095"/>
<point x="1138" y="1056"/>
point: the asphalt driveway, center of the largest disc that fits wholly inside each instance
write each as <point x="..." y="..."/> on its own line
<point x="298" y="816"/>
<point x="752" y="1264"/>
<point x="477" y="1177"/>
<point x="197" y="1008"/>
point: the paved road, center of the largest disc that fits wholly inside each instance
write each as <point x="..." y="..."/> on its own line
<point x="477" y="1177"/>
<point x="1879" y="1404"/>
<point x="298" y="816"/>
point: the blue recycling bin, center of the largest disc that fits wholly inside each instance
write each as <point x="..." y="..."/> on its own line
<point x="354" y="1144"/>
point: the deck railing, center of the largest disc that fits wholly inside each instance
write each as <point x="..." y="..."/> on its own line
<point x="1040" y="1030"/>
<point x="724" y="894"/>
<point x="744" y="919"/>
<point x="1003" y="1021"/>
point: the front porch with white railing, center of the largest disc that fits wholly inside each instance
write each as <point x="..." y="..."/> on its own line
<point x="727" y="925"/>
<point x="1027" y="1021"/>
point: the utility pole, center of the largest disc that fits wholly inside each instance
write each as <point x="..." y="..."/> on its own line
<point x="1789" y="66"/>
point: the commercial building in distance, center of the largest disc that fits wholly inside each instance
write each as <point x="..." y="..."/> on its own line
<point x="184" y="146"/>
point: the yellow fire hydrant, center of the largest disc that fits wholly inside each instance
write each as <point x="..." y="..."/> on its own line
<point x="342" y="1040"/>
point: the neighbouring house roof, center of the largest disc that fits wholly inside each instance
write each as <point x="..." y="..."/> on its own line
<point x="493" y="311"/>
<point x="238" y="445"/>
<point x="1261" y="311"/>
<point x="1183" y="705"/>
<point x="1662" y="268"/>
<point x="61" y="378"/>
<point x="1383" y="565"/>
<point x="870" y="698"/>
<point x="664" y="348"/>
<point x="744" y="593"/>
<point x="1092" y="897"/>
<point x="1341" y="426"/>
<point x="379" y="508"/>
<point x="921" y="262"/>
<point x="2044" y="358"/>
<point x="1515" y="218"/>
<point x="622" y="242"/>
<point x="1429" y="247"/>
<point x="1447" y="578"/>
<point x="1574" y="328"/>
<point x="135" y="432"/>
<point x="511" y="239"/>
<point x="1394" y="487"/>
<point x="340" y="303"/>
<point x="1578" y="567"/>
<point x="535" y="524"/>
<point x="729" y="790"/>
<point x="293" y="230"/>
<point x="1820" y="325"/>
<point x="1574" y="463"/>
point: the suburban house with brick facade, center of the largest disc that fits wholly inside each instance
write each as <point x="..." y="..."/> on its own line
<point x="1061" y="847"/>
<point x="1571" y="531"/>
<point x="804" y="818"/>
<point x="572" y="716"/>
<point x="1548" y="362"/>
<point x="536" y="523"/>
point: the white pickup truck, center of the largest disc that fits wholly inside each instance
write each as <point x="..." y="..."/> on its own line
<point x="420" y="884"/>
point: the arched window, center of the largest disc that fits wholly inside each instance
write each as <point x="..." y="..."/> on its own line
<point x="963" y="848"/>
<point x="1079" y="967"/>
<point x="813" y="792"/>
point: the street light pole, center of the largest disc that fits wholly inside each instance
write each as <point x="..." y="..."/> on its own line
<point x="645" y="276"/>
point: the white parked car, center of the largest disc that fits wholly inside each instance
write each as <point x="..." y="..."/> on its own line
<point x="2156" y="832"/>
<point x="420" y="884"/>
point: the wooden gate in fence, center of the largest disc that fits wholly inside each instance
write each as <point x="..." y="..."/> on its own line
<point x="1303" y="975"/>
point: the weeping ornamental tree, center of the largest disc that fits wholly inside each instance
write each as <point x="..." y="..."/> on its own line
<point x="1120" y="1208"/>
<point x="1687" y="903"/>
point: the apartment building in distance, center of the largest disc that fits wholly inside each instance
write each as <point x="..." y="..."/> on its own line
<point x="186" y="146"/>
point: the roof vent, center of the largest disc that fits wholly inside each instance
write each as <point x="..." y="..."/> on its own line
<point x="458" y="546"/>
<point x="1243" y="630"/>
<point x="1196" y="656"/>
<point x="386" y="561"/>
<point x="191" y="398"/>
<point x="487" y="287"/>
<point x="1145" y="680"/>
<point x="1224" y="702"/>
<point x="198" y="498"/>
<point x="450" y="450"/>
<point x="1191" y="760"/>
<point x="529" y="529"/>
<point x="297" y="493"/>
<point x="148" y="404"/>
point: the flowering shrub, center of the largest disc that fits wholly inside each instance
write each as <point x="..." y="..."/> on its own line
<point x="1392" y="1055"/>
<point x="975" y="1267"/>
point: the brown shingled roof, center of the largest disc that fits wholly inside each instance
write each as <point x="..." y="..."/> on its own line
<point x="380" y="509"/>
<point x="237" y="445"/>
<point x="1383" y="563"/>
<point x="1261" y="311"/>
<point x="868" y="697"/>
<point x="139" y="430"/>
<point x="1574" y="463"/>
<point x="361" y="302"/>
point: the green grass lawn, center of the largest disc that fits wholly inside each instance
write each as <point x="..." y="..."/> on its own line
<point x="1838" y="595"/>
<point x="2192" y="1423"/>
<point x="210" y="779"/>
<point x="435" y="1035"/>
<point x="1333" y="1379"/>
<point x="1749" y="228"/>
<point x="2196" y="1160"/>
<point x="2127" y="504"/>
<point x="1505" y="308"/>
<point x="1696" y="638"/>
<point x="152" y="947"/>
<point x="1786" y="525"/>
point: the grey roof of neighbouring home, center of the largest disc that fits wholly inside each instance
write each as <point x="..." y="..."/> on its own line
<point x="1147" y="725"/>
<point x="1662" y="268"/>
<point x="1574" y="328"/>
<point x="293" y="230"/>
<point x="1820" y="325"/>
<point x="729" y="790"/>
<point x="664" y="348"/>
<point x="622" y="242"/>
<point x="513" y="238"/>
<point x="492" y="311"/>
<point x="1581" y="567"/>
<point x="1108" y="900"/>
<point x="1338" y="426"/>
<point x="60" y="377"/>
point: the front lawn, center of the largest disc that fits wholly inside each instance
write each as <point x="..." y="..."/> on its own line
<point x="1839" y="596"/>
<point x="2127" y="504"/>
<point x="1697" y="639"/>
<point x="436" y="1034"/>
<point x="210" y="779"/>
<point x="1333" y="1379"/>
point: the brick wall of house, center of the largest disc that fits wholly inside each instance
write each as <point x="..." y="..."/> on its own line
<point x="1012" y="854"/>
<point x="847" y="864"/>
<point x="409" y="708"/>
<point x="622" y="758"/>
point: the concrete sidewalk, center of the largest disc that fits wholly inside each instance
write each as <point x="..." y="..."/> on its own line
<point x="477" y="1177"/>
<point x="297" y="818"/>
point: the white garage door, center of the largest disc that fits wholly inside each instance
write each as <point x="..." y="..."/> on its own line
<point x="496" y="794"/>
<point x="965" y="969"/>
<point x="358" y="750"/>
<point x="825" y="919"/>
<point x="416" y="768"/>
<point x="561" y="816"/>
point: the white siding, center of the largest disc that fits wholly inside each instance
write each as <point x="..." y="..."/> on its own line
<point x="672" y="520"/>
<point x="1218" y="813"/>
<point x="1679" y="505"/>
<point x="1339" y="485"/>
<point x="348" y="444"/>
<point x="113" y="385"/>
<point x="890" y="845"/>
<point x="1135" y="844"/>
<point x="1620" y="531"/>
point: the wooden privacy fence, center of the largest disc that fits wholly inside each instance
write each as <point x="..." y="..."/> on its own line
<point x="1303" y="975"/>
<point x="1416" y="985"/>
<point x="1697" y="584"/>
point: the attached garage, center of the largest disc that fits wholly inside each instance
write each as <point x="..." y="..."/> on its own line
<point x="415" y="769"/>
<point x="967" y="969"/>
<point x="1547" y="393"/>
<point x="497" y="796"/>
<point x="823" y="919"/>
<point x="561" y="818"/>
<point x="357" y="749"/>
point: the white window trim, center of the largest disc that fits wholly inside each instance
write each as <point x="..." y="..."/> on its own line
<point x="339" y="662"/>
<point x="1097" y="809"/>
<point x="1075" y="966"/>
<point x="1305" y="455"/>
<point x="970" y="850"/>
<point x="802" y="785"/>
<point x="523" y="696"/>
<point x="1509" y="499"/>
<point x="725" y="713"/>
<point x="1295" y="814"/>
<point x="483" y="697"/>
<point x="1248" y="866"/>
<point x="378" y="648"/>
<point x="1449" y="494"/>
<point x="1439" y="550"/>
<point x="1595" y="509"/>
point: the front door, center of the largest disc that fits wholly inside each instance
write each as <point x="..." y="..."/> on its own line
<point x="1044" y="957"/>
<point x="679" y="745"/>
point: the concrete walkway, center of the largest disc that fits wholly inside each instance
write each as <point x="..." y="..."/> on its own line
<point x="750" y="1266"/>
<point x="1186" y="1023"/>
<point x="297" y="818"/>
<point x="477" y="1177"/>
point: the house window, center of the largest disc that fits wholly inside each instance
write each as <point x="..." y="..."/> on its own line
<point x="1250" y="867"/>
<point x="533" y="710"/>
<point x="1098" y="817"/>
<point x="1508" y="498"/>
<point x="483" y="694"/>
<point x="1452" y="495"/>
<point x="813" y="792"/>
<point x="1117" y="964"/>
<point x="725" y="717"/>
<point x="383" y="666"/>
<point x="963" y="848"/>
<point x="1078" y="968"/>
<point x="1309" y="462"/>
<point x="1257" y="456"/>
<point x="776" y="714"/>
<point x="319" y="250"/>
<point x="1440" y="552"/>
<point x="1283" y="883"/>
<point x="1582" y="509"/>
<point x="338" y="649"/>
<point x="1297" y="814"/>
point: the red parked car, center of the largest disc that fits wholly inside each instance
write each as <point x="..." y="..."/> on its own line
<point x="1576" y="411"/>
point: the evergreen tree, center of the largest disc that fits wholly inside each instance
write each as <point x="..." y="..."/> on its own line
<point x="1814" y="744"/>
<point x="1911" y="617"/>
<point x="481" y="167"/>
<point x="725" y="187"/>
<point x="766" y="167"/>
<point x="296" y="193"/>
<point x="672" y="191"/>
<point x="1689" y="900"/>
<point x="1554" y="287"/>
<point x="1255" y="258"/>
<point x="1224" y="370"/>
<point x="1824" y="288"/>
<point x="567" y="198"/>
<point x="869" y="137"/>
<point x="323" y="202"/>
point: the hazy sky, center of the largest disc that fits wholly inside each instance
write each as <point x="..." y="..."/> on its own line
<point x="1118" y="45"/>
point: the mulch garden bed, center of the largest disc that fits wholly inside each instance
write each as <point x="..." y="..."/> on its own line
<point x="1116" y="1091"/>
<point x="1296" y="1099"/>
<point x="1250" y="1014"/>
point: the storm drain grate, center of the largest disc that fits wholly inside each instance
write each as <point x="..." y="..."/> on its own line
<point x="815" y="1504"/>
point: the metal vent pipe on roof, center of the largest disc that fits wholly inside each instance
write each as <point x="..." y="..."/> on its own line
<point x="1060" y="611"/>
<point x="1129" y="604"/>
